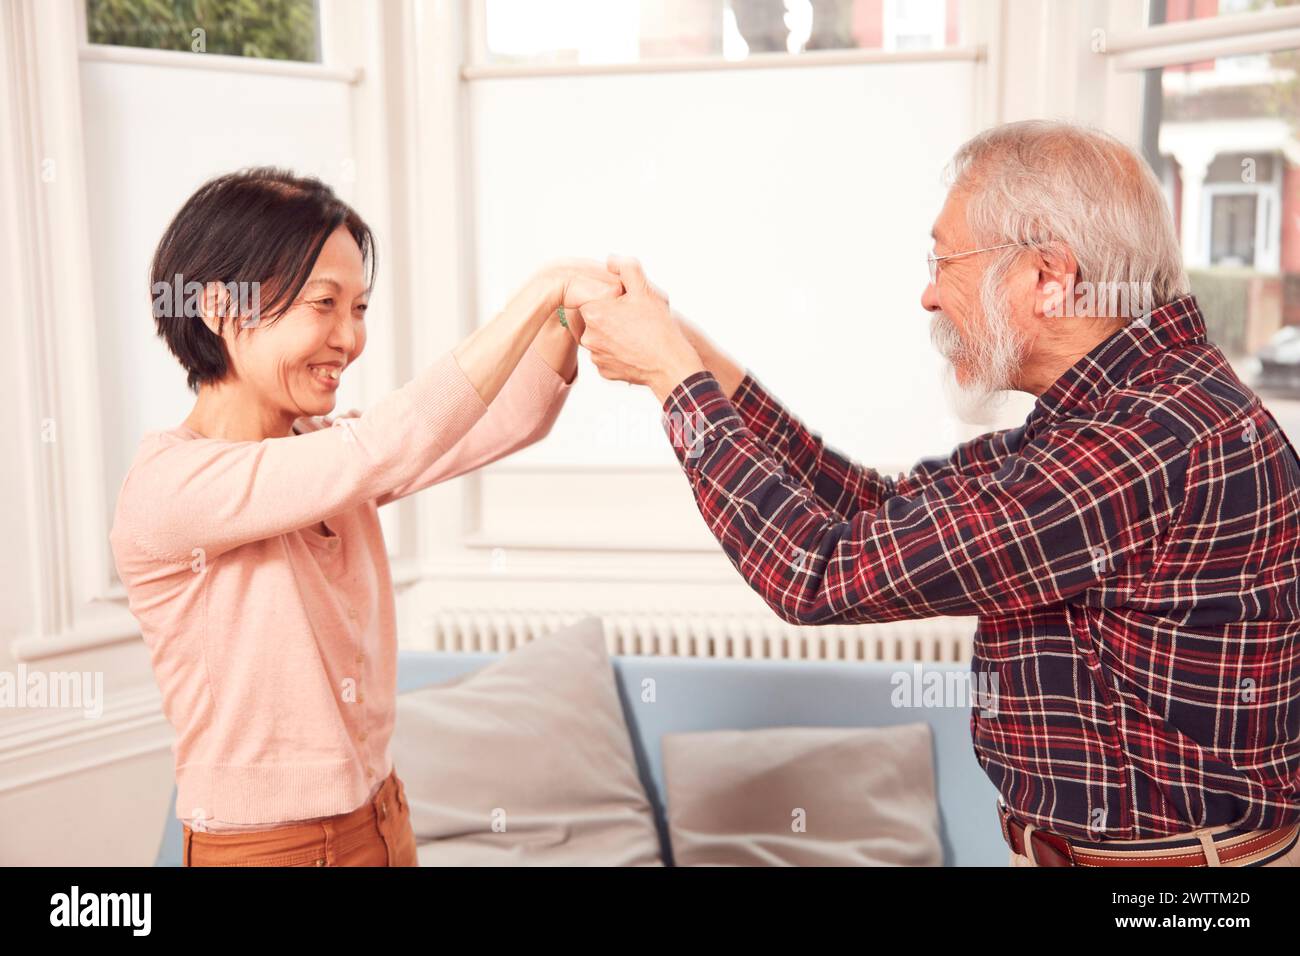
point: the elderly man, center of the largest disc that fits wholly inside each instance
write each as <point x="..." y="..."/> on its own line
<point x="1132" y="550"/>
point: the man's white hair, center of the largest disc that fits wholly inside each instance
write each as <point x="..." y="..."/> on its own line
<point x="1041" y="181"/>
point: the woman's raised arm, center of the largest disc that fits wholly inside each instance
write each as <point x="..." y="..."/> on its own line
<point x="211" y="495"/>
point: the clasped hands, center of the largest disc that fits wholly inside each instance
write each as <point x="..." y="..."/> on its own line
<point x="626" y="325"/>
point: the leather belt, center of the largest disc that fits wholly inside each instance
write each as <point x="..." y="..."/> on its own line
<point x="1229" y="847"/>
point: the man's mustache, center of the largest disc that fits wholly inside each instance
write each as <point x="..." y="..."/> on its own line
<point x="945" y="336"/>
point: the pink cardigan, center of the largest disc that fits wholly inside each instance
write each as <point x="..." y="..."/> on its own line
<point x="274" y="646"/>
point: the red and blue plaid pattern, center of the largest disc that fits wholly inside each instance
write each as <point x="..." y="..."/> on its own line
<point x="1132" y="552"/>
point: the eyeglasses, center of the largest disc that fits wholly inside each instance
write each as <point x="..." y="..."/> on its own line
<point x="933" y="260"/>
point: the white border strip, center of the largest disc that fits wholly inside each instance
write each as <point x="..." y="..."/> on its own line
<point x="103" y="53"/>
<point x="759" y="61"/>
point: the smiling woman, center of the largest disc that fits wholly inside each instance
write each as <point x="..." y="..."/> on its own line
<point x="262" y="229"/>
<point x="296" y="364"/>
<point x="248" y="537"/>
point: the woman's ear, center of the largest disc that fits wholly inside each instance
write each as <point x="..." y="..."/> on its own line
<point x="1057" y="272"/>
<point x="216" y="306"/>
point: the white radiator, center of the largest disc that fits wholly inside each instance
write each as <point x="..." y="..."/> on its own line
<point x="946" y="639"/>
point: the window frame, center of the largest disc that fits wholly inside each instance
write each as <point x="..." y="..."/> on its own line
<point x="1210" y="38"/>
<point x="478" y="65"/>
<point x="330" y="66"/>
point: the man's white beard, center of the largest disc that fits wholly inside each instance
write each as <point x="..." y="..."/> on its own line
<point x="992" y="362"/>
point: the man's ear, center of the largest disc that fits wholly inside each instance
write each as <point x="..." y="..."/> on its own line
<point x="216" y="306"/>
<point x="1057" y="272"/>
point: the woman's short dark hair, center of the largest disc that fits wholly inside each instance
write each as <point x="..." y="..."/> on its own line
<point x="260" y="225"/>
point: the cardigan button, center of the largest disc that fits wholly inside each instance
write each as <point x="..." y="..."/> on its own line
<point x="361" y="658"/>
<point x="320" y="862"/>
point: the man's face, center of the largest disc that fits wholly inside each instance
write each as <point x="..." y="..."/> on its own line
<point x="974" y="329"/>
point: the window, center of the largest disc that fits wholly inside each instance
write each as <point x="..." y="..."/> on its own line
<point x="268" y="29"/>
<point x="1232" y="231"/>
<point x="1240" y="192"/>
<point x="1223" y="133"/>
<point x="624" y="31"/>
<point x="915" y="24"/>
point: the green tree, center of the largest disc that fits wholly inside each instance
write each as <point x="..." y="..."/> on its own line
<point x="271" y="29"/>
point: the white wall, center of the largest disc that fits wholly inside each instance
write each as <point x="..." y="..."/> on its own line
<point x="787" y="212"/>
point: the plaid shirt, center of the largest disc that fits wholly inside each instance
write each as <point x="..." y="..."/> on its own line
<point x="1132" y="553"/>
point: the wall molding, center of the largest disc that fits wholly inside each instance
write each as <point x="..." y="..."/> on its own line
<point x="101" y="626"/>
<point x="137" y="56"/>
<point x="544" y="565"/>
<point x="47" y="747"/>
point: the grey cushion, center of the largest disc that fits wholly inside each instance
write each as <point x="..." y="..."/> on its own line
<point x="803" y="796"/>
<point x="526" y="761"/>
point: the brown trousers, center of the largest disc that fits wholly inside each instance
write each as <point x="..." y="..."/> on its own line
<point x="377" y="833"/>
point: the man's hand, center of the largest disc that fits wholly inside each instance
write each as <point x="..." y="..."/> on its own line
<point x="566" y="285"/>
<point x="491" y="352"/>
<point x="635" y="338"/>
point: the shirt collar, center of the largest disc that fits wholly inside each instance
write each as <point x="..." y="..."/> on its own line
<point x="1109" y="363"/>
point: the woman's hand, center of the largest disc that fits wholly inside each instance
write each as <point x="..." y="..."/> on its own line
<point x="491" y="352"/>
<point x="572" y="283"/>
<point x="557" y="343"/>
<point x="635" y="338"/>
<point x="568" y="284"/>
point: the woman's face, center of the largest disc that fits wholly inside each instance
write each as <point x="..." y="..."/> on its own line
<point x="293" y="365"/>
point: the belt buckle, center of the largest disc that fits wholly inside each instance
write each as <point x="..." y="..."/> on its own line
<point x="1003" y="816"/>
<point x="1059" y="846"/>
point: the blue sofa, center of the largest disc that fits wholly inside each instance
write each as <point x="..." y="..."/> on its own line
<point x="710" y="694"/>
